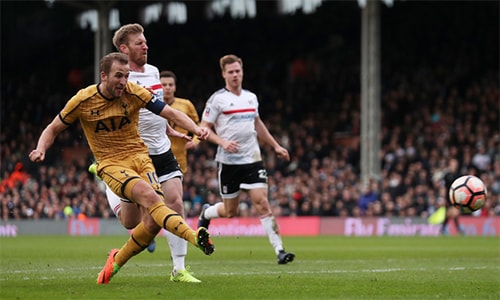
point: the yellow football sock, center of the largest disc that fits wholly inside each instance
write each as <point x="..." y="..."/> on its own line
<point x="172" y="221"/>
<point x="138" y="241"/>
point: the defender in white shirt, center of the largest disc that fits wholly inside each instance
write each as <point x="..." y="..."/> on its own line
<point x="232" y="113"/>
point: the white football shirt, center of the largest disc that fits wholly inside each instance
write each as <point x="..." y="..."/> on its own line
<point x="233" y="117"/>
<point x="152" y="128"/>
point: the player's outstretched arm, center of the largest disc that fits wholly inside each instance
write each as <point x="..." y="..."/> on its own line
<point x="193" y="115"/>
<point x="181" y="119"/>
<point x="229" y="146"/>
<point x="47" y="139"/>
<point x="174" y="133"/>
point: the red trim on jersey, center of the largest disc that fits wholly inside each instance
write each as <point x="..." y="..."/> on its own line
<point x="229" y="112"/>
<point x="156" y="87"/>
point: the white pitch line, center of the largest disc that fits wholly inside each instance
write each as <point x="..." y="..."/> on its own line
<point x="79" y="274"/>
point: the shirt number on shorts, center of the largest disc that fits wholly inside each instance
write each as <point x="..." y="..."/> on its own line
<point x="153" y="179"/>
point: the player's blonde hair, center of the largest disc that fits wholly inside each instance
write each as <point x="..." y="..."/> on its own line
<point x="229" y="59"/>
<point x="122" y="34"/>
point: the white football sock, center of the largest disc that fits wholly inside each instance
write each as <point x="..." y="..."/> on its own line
<point x="272" y="230"/>
<point x="212" y="212"/>
<point x="178" y="250"/>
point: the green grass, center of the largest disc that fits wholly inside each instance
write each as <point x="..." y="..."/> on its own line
<point x="326" y="267"/>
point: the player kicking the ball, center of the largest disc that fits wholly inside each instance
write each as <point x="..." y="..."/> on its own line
<point x="109" y="113"/>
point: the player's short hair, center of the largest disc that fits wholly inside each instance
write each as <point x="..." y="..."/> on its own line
<point x="229" y="59"/>
<point x="168" y="74"/>
<point x="109" y="59"/>
<point x="122" y="34"/>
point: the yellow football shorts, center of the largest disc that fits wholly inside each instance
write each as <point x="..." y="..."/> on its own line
<point x="123" y="173"/>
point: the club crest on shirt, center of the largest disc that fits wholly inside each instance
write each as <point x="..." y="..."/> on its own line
<point x="124" y="106"/>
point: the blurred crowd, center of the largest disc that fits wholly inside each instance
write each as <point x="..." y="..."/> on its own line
<point x="446" y="106"/>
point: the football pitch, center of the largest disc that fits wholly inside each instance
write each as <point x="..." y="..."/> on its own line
<point x="326" y="267"/>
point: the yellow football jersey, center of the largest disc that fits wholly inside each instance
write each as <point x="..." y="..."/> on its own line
<point x="110" y="125"/>
<point x="178" y="144"/>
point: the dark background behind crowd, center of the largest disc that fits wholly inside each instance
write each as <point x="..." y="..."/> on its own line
<point x="440" y="100"/>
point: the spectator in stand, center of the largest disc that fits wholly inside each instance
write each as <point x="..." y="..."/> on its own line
<point x="481" y="160"/>
<point x="369" y="195"/>
<point x="16" y="179"/>
<point x="452" y="213"/>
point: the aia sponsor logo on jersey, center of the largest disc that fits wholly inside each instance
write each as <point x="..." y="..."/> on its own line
<point x="111" y="124"/>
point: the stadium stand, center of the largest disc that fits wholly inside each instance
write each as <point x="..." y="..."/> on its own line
<point x="440" y="100"/>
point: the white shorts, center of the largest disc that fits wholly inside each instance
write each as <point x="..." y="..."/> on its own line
<point x="114" y="201"/>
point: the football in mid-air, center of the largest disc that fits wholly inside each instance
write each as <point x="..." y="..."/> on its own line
<point x="468" y="193"/>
